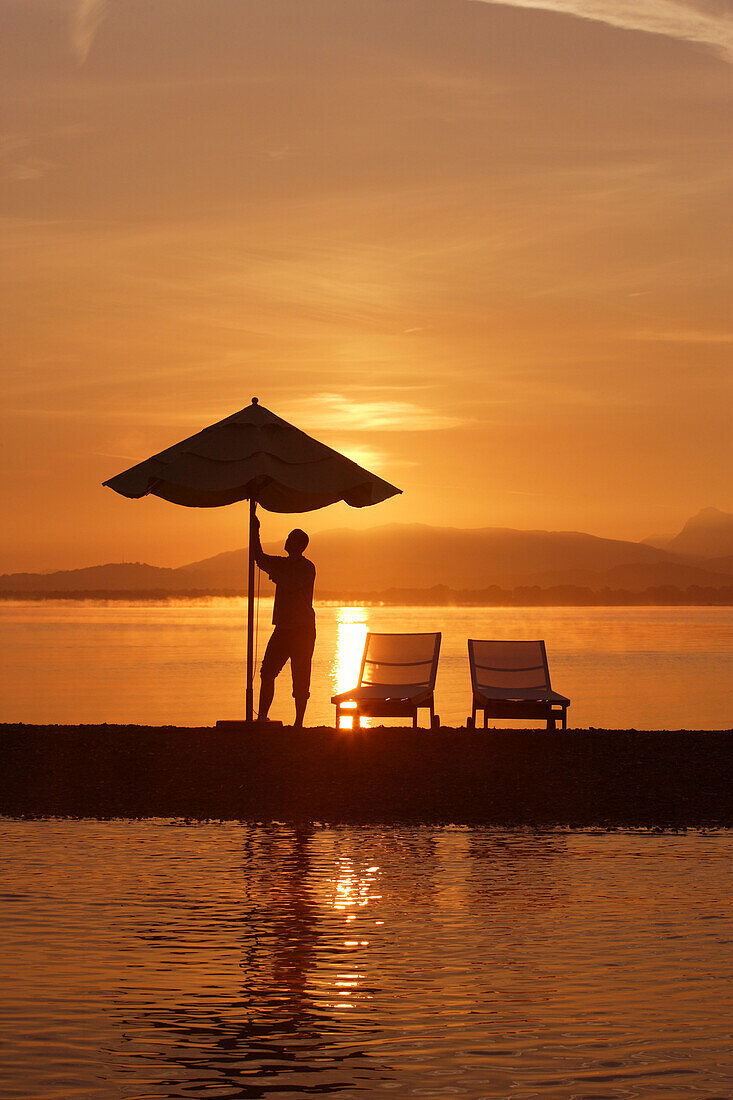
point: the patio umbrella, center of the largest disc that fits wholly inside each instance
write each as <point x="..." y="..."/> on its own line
<point x="253" y="455"/>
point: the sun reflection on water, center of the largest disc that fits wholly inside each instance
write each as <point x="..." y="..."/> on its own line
<point x="352" y="889"/>
<point x="351" y="632"/>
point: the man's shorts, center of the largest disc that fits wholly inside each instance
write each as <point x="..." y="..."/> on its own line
<point x="295" y="645"/>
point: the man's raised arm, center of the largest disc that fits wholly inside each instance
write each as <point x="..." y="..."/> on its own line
<point x="267" y="562"/>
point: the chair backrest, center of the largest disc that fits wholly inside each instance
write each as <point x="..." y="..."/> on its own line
<point x="407" y="660"/>
<point x="516" y="668"/>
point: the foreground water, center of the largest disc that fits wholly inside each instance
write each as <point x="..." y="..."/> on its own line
<point x="159" y="960"/>
<point x="181" y="662"/>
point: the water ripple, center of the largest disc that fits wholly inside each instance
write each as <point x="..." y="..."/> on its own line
<point x="145" y="961"/>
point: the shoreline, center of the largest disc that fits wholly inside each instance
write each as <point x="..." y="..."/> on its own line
<point x="508" y="777"/>
<point x="660" y="596"/>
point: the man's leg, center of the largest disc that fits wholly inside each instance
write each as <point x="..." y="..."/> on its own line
<point x="300" y="705"/>
<point x="267" y="690"/>
<point x="301" y="657"/>
<point x="272" y="663"/>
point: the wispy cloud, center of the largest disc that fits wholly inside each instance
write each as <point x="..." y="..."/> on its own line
<point x="33" y="168"/>
<point x="86" y="17"/>
<point x="708" y="22"/>
<point x="334" y="411"/>
<point x="17" y="162"/>
<point x="683" y="336"/>
<point x="369" y="457"/>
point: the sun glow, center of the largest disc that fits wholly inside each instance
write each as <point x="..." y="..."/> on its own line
<point x="351" y="632"/>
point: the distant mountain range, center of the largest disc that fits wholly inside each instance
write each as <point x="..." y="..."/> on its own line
<point x="707" y="535"/>
<point x="418" y="556"/>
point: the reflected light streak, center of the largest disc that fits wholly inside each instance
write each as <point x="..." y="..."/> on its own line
<point x="353" y="890"/>
<point x="350" y="885"/>
<point x="351" y="632"/>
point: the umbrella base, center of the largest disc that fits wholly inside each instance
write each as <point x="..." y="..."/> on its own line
<point x="239" y="725"/>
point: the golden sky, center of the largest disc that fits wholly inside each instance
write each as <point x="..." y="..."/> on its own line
<point x="482" y="247"/>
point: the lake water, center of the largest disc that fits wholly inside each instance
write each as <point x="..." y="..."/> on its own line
<point x="158" y="960"/>
<point x="181" y="662"/>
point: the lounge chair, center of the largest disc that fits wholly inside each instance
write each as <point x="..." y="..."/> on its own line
<point x="397" y="676"/>
<point x="512" y="680"/>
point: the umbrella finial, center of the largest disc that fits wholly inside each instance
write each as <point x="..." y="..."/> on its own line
<point x="255" y="401"/>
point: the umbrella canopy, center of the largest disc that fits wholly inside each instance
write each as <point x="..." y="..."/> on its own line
<point x="253" y="455"/>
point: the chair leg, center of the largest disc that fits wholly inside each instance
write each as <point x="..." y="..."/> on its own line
<point x="414" y="719"/>
<point x="551" y="724"/>
<point x="338" y="716"/>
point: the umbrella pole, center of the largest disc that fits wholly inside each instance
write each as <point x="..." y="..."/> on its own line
<point x="249" y="698"/>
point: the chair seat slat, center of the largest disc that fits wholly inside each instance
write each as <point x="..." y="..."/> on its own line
<point x="506" y="668"/>
<point x="398" y="664"/>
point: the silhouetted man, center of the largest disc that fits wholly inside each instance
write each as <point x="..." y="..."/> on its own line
<point x="294" y="635"/>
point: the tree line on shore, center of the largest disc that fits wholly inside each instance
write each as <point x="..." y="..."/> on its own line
<point x="564" y="595"/>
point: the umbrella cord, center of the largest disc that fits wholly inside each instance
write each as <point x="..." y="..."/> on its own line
<point x="257" y="620"/>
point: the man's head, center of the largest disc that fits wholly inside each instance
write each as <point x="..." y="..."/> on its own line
<point x="296" y="542"/>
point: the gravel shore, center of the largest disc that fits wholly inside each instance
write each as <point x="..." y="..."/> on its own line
<point x="581" y="778"/>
